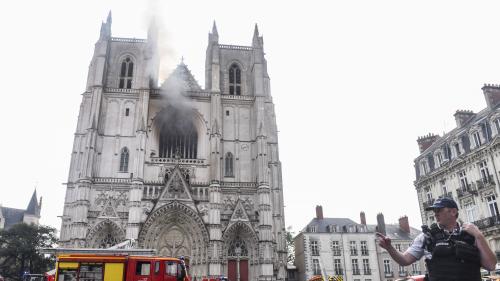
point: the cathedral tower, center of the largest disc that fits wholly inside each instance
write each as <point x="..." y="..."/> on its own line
<point x="181" y="169"/>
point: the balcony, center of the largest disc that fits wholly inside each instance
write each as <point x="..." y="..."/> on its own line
<point x="447" y="195"/>
<point x="388" y="274"/>
<point x="367" y="272"/>
<point x="488" y="222"/>
<point x="428" y="203"/>
<point x="485" y="182"/>
<point x="467" y="190"/>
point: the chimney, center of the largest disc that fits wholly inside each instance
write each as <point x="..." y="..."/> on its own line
<point x="381" y="223"/>
<point x="319" y="212"/>
<point x="426" y="141"/>
<point x="403" y="224"/>
<point x="491" y="95"/>
<point x="362" y="218"/>
<point x="462" y="116"/>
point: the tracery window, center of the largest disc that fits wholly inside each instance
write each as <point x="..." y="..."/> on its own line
<point x="124" y="155"/>
<point x="237" y="247"/>
<point x="126" y="73"/>
<point x="234" y="80"/>
<point x="228" y="167"/>
<point x="178" y="139"/>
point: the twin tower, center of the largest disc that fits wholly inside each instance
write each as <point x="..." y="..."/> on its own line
<point x="187" y="171"/>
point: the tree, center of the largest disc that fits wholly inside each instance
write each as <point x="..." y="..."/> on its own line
<point x="20" y="249"/>
<point x="290" y="246"/>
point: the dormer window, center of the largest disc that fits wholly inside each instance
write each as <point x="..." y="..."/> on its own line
<point x="438" y="158"/>
<point x="497" y="125"/>
<point x="312" y="228"/>
<point x="126" y="73"/>
<point x="476" y="138"/>
<point x="234" y="80"/>
<point x="455" y="149"/>
<point x="424" y="169"/>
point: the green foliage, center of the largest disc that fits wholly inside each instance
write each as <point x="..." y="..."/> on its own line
<point x="290" y="247"/>
<point x="19" y="249"/>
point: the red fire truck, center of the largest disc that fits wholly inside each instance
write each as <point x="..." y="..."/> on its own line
<point x="119" y="267"/>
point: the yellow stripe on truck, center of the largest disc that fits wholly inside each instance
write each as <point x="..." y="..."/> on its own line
<point x="113" y="272"/>
<point x="67" y="265"/>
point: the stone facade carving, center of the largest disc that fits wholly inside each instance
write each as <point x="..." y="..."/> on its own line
<point x="169" y="191"/>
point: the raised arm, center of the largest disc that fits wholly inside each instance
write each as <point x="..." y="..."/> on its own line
<point x="402" y="259"/>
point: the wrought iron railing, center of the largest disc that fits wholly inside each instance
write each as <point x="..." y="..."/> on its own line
<point x="488" y="222"/>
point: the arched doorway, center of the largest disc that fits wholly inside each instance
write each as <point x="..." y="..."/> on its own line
<point x="241" y="251"/>
<point x="177" y="230"/>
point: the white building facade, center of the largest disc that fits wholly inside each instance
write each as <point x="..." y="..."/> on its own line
<point x="187" y="171"/>
<point x="464" y="164"/>
<point x="341" y="248"/>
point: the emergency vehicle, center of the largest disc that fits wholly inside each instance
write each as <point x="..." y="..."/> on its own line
<point x="119" y="267"/>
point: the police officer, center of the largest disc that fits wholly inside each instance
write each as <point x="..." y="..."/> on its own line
<point x="452" y="252"/>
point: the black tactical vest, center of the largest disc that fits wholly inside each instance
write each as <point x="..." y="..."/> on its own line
<point x="454" y="256"/>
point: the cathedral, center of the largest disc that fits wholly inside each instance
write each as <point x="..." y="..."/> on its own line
<point x="171" y="166"/>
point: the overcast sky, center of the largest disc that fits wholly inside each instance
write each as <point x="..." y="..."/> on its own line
<point x="354" y="84"/>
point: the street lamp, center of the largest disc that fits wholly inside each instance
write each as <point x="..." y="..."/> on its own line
<point x="237" y="250"/>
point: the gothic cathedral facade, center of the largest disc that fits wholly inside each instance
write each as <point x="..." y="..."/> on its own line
<point x="187" y="171"/>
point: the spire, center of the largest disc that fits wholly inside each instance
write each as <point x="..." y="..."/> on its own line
<point x="106" y="28"/>
<point x="33" y="205"/>
<point x="214" y="29"/>
<point x="214" y="35"/>
<point x="257" y="40"/>
<point x="109" y="20"/>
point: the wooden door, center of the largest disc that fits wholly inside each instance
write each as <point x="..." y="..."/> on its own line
<point x="231" y="270"/>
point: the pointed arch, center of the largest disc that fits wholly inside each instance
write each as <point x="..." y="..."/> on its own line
<point x="124" y="156"/>
<point x="105" y="234"/>
<point x="126" y="73"/>
<point x="241" y="234"/>
<point x="234" y="79"/>
<point x="176" y="229"/>
<point x="229" y="165"/>
<point x="178" y="135"/>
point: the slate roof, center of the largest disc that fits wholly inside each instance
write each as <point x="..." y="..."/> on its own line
<point x="12" y="216"/>
<point x="322" y="224"/>
<point x="392" y="230"/>
<point x="181" y="79"/>
<point x="395" y="233"/>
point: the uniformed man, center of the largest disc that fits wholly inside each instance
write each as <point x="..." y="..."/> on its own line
<point x="452" y="252"/>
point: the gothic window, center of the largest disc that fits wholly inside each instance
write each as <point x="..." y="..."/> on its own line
<point x="237" y="247"/>
<point x="234" y="80"/>
<point x="126" y="73"/>
<point x="108" y="241"/>
<point x="124" y="155"/>
<point x="178" y="139"/>
<point x="228" y="167"/>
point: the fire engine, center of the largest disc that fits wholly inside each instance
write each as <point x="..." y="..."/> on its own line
<point x="119" y="267"/>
